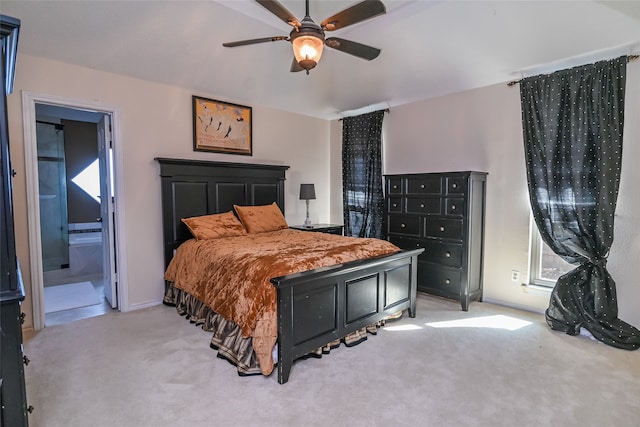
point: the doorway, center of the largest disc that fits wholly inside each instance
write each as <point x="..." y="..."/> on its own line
<point x="71" y="232"/>
<point x="70" y="152"/>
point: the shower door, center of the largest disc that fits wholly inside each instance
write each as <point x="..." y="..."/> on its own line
<point x="53" y="196"/>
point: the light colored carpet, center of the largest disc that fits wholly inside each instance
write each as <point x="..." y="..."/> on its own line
<point x="490" y="366"/>
<point x="72" y="295"/>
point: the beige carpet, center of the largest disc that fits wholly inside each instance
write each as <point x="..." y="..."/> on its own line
<point x="72" y="295"/>
<point x="490" y="366"/>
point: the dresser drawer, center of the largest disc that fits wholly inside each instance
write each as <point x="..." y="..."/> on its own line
<point x="456" y="185"/>
<point x="333" y="230"/>
<point x="394" y="186"/>
<point x="445" y="281"/>
<point x="320" y="228"/>
<point x="409" y="243"/>
<point x="449" y="254"/>
<point x="444" y="228"/>
<point x="454" y="206"/>
<point x="394" y="204"/>
<point x="424" y="185"/>
<point x="426" y="205"/>
<point x="400" y="224"/>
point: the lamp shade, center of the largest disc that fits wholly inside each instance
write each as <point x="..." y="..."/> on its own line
<point x="308" y="43"/>
<point x="307" y="192"/>
<point x="307" y="50"/>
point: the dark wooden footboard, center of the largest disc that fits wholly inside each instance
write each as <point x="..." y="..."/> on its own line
<point x="319" y="306"/>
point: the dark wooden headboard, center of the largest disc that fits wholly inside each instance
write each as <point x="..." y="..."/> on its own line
<point x="197" y="187"/>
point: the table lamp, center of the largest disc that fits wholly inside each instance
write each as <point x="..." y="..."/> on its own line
<point x="307" y="192"/>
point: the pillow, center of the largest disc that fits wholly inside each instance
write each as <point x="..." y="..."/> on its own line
<point x="214" y="226"/>
<point x="260" y="219"/>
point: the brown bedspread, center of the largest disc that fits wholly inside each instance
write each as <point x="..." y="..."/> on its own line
<point x="232" y="275"/>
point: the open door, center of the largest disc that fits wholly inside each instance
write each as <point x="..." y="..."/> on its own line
<point x="107" y="211"/>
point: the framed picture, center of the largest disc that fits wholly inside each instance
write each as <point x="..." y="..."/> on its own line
<point x="221" y="127"/>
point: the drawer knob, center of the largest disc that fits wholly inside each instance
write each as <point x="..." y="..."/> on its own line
<point x="25" y="360"/>
<point x="442" y="228"/>
<point x="395" y="187"/>
<point x="453" y="207"/>
<point x="421" y="185"/>
<point x="422" y="205"/>
<point x="395" y="205"/>
<point x="402" y="225"/>
<point x="447" y="254"/>
<point x="455" y="185"/>
<point x="447" y="281"/>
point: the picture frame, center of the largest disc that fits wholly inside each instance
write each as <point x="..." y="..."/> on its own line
<point x="222" y="127"/>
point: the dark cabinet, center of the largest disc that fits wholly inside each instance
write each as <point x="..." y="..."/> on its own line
<point x="13" y="408"/>
<point x="444" y="214"/>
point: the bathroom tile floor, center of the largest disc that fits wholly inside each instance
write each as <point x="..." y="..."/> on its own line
<point x="71" y="315"/>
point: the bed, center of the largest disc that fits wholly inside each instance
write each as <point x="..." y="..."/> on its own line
<point x="313" y="308"/>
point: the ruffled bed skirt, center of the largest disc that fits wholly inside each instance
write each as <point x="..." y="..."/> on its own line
<point x="227" y="336"/>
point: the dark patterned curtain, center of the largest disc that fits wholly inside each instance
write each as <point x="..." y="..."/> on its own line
<point x="363" y="201"/>
<point x="572" y="124"/>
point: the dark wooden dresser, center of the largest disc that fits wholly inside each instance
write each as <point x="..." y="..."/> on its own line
<point x="13" y="397"/>
<point x="444" y="214"/>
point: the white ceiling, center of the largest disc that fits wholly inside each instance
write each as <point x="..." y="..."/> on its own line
<point x="429" y="48"/>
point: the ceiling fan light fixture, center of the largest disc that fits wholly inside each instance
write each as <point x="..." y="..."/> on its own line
<point x="307" y="49"/>
<point x="308" y="38"/>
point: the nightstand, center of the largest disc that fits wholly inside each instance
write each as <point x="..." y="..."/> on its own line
<point x="322" y="228"/>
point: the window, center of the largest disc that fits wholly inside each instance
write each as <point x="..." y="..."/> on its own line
<point x="356" y="193"/>
<point x="89" y="180"/>
<point x="363" y="200"/>
<point x="546" y="266"/>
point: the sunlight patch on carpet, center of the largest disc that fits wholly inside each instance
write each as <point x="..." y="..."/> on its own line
<point x="496" y="322"/>
<point x="402" y="328"/>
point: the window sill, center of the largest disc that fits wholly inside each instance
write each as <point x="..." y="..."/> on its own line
<point x="532" y="288"/>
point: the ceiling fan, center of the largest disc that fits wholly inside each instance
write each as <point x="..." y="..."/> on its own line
<point x="308" y="39"/>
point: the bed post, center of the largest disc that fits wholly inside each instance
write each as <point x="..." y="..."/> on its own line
<point x="285" y="334"/>
<point x="413" y="283"/>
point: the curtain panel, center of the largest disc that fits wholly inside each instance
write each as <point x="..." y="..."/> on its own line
<point x="573" y="126"/>
<point x="362" y="195"/>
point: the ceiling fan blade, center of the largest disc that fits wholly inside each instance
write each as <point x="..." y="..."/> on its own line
<point x="356" y="13"/>
<point x="353" y="48"/>
<point x="254" y="41"/>
<point x="295" y="67"/>
<point x="280" y="11"/>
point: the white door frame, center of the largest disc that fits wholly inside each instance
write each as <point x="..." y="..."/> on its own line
<point x="109" y="273"/>
<point x="29" y="101"/>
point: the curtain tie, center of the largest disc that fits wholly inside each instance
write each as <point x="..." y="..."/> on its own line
<point x="599" y="262"/>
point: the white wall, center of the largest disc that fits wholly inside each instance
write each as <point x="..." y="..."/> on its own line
<point x="157" y="122"/>
<point x="475" y="130"/>
<point x="481" y="130"/>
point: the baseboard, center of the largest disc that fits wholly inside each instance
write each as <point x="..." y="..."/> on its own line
<point x="512" y="305"/>
<point x="142" y="305"/>
<point x="27" y="332"/>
